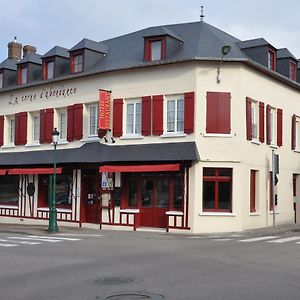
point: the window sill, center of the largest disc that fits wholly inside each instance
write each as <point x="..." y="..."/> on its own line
<point x="218" y="214"/>
<point x="58" y="209"/>
<point x="33" y="145"/>
<point x="91" y="139"/>
<point x="8" y="146"/>
<point x="256" y="142"/>
<point x="223" y="135"/>
<point x="131" y="137"/>
<point x="297" y="150"/>
<point x="9" y="206"/>
<point x="129" y="211"/>
<point x="63" y="142"/>
<point x="276" y="212"/>
<point x="173" y="135"/>
<point x="254" y="214"/>
<point x="274" y="146"/>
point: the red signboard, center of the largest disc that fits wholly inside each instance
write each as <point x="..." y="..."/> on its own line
<point x="104" y="110"/>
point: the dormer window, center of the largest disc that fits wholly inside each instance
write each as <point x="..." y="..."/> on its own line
<point x="1" y="80"/>
<point x="155" y="48"/>
<point x="271" y="60"/>
<point x="23" y="75"/>
<point x="48" y="69"/>
<point x="77" y="62"/>
<point x="293" y="70"/>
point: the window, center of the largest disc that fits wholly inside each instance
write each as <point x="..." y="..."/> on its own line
<point x="23" y="75"/>
<point x="274" y="126"/>
<point x="271" y="60"/>
<point x="155" y="48"/>
<point x="253" y="202"/>
<point x="77" y="63"/>
<point x="217" y="189"/>
<point x="62" y="126"/>
<point x="36" y="128"/>
<point x="93" y="120"/>
<point x="11" y="131"/>
<point x="133" y="117"/>
<point x="293" y="70"/>
<point x="297" y="134"/>
<point x="9" y="190"/>
<point x="175" y="114"/>
<point x="49" y="72"/>
<point x="1" y="80"/>
<point x="255" y="120"/>
<point x="218" y="113"/>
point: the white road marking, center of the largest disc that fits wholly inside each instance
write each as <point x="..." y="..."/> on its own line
<point x="284" y="240"/>
<point x="261" y="238"/>
<point x="222" y="239"/>
<point x="236" y="235"/>
<point x="8" y="245"/>
<point x="195" y="237"/>
<point x="54" y="238"/>
<point x="34" y="239"/>
<point x="78" y="234"/>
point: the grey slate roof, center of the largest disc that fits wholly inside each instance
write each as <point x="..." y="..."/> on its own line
<point x="92" y="45"/>
<point x="9" y="64"/>
<point x="162" y="30"/>
<point x="253" y="43"/>
<point x="31" y="58"/>
<point x="285" y="53"/>
<point x="101" y="153"/>
<point x="57" y="51"/>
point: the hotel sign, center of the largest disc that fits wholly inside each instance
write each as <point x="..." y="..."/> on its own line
<point x="104" y="110"/>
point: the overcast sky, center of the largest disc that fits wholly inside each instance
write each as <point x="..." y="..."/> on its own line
<point x="46" y="23"/>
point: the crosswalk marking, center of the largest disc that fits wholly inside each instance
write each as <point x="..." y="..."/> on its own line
<point x="261" y="238"/>
<point x="195" y="237"/>
<point x="8" y="245"/>
<point x="54" y="238"/>
<point x="224" y="240"/>
<point x="22" y="242"/>
<point x="34" y="239"/>
<point x="284" y="240"/>
<point x="79" y="234"/>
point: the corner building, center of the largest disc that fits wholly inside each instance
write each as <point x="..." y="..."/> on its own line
<point x="185" y="147"/>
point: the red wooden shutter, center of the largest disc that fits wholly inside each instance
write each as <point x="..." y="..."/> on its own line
<point x="212" y="102"/>
<point x="147" y="50"/>
<point x="22" y="128"/>
<point x="78" y="121"/>
<point x="268" y="120"/>
<point x="189" y="100"/>
<point x="224" y="113"/>
<point x="42" y="125"/>
<point x="261" y="122"/>
<point x="17" y="129"/>
<point x="279" y="127"/>
<point x="248" y="119"/>
<point x="117" y="117"/>
<point x="1" y="130"/>
<point x="70" y="123"/>
<point x="293" y="132"/>
<point x="48" y="125"/>
<point x="157" y="115"/>
<point x="146" y="115"/>
<point x="252" y="190"/>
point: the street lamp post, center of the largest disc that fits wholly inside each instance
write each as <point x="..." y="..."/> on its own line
<point x="52" y="207"/>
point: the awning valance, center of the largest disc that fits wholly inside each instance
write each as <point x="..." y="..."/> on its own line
<point x="33" y="171"/>
<point x="140" y="168"/>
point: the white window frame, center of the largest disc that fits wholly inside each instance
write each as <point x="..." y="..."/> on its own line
<point x="255" y="120"/>
<point x="78" y="63"/>
<point x="136" y="118"/>
<point x="24" y="75"/>
<point x="50" y="63"/>
<point x="62" y="124"/>
<point x="273" y="126"/>
<point x="36" y="128"/>
<point x="11" y="131"/>
<point x="176" y="131"/>
<point x="156" y="49"/>
<point x="93" y="124"/>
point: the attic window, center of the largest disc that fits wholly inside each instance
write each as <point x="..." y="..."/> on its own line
<point x="23" y="75"/>
<point x="48" y="69"/>
<point x="293" y="70"/>
<point x="1" y="80"/>
<point x="155" y="48"/>
<point x="77" y="62"/>
<point x="271" y="60"/>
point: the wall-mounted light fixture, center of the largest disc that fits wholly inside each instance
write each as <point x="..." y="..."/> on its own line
<point x="225" y="51"/>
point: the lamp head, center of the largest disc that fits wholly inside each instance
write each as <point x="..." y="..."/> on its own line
<point x="55" y="135"/>
<point x="226" y="49"/>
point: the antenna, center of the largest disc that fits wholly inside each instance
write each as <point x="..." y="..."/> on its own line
<point x="202" y="15"/>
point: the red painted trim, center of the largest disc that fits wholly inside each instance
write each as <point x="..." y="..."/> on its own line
<point x="146" y="115"/>
<point x="33" y="171"/>
<point x="157" y="114"/>
<point x="279" y="127"/>
<point x="117" y="117"/>
<point x="147" y="47"/>
<point x="46" y="61"/>
<point x="293" y="70"/>
<point x="2" y="172"/>
<point x="72" y="56"/>
<point x="272" y="54"/>
<point x="293" y="132"/>
<point x="248" y="119"/>
<point x="141" y="168"/>
<point x="261" y="122"/>
<point x="189" y="116"/>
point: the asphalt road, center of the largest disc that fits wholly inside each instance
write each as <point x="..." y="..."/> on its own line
<point x="142" y="265"/>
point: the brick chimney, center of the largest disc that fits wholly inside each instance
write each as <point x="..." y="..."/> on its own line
<point x="28" y="49"/>
<point x="14" y="49"/>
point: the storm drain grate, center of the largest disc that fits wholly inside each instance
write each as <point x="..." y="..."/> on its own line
<point x="134" y="296"/>
<point x="113" y="280"/>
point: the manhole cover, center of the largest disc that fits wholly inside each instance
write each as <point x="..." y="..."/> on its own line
<point x="134" y="296"/>
<point x="113" y="280"/>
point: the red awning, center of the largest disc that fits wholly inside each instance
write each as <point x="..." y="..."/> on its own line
<point x="34" y="171"/>
<point x="141" y="168"/>
<point x="2" y="171"/>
